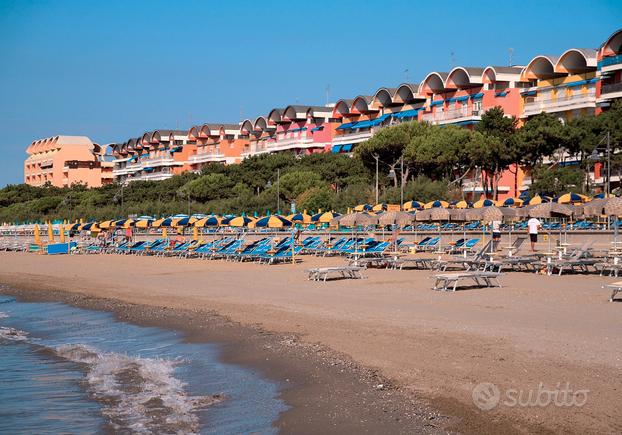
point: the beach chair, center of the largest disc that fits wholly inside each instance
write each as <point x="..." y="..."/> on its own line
<point x="284" y="254"/>
<point x="471" y="262"/>
<point x="580" y="261"/>
<point x="345" y="272"/>
<point x="615" y="288"/>
<point x="449" y="281"/>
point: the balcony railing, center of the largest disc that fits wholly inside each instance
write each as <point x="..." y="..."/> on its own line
<point x="290" y="143"/>
<point x="453" y="115"/>
<point x="609" y="61"/>
<point x="354" y="137"/>
<point x="575" y="101"/>
<point x="206" y="157"/>
<point x="612" y="88"/>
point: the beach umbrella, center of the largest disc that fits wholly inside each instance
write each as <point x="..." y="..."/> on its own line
<point x="240" y="221"/>
<point x="423" y="215"/>
<point x="358" y="218"/>
<point x="491" y="213"/>
<point x="124" y="223"/>
<point x="106" y="224"/>
<point x="595" y="207"/>
<point x="325" y="217"/>
<point x="412" y="205"/>
<point x="274" y="221"/>
<point x="613" y="207"/>
<point x="183" y="221"/>
<point x="50" y="233"/>
<point x="379" y="207"/>
<point x="195" y="233"/>
<point x="37" y="234"/>
<point x="511" y="213"/>
<point x="536" y="200"/>
<point x="510" y="202"/>
<point x="399" y="218"/>
<point x="363" y="207"/>
<point x="571" y="198"/>
<point x="300" y="218"/>
<point x="457" y="214"/>
<point x="603" y="195"/>
<point x="439" y="214"/>
<point x="484" y="202"/>
<point x="209" y="221"/>
<point x="61" y="233"/>
<point x="74" y="227"/>
<point x="436" y="204"/>
<point x="89" y="226"/>
<point x="158" y="222"/>
<point x="461" y="204"/>
<point x="550" y="209"/>
<point x="144" y="222"/>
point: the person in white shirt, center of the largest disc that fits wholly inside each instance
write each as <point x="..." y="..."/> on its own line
<point x="533" y="225"/>
<point x="496" y="230"/>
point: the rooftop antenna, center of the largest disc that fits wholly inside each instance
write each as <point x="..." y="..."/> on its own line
<point x="453" y="59"/>
<point x="510" y="53"/>
<point x="327" y="93"/>
<point x="406" y="75"/>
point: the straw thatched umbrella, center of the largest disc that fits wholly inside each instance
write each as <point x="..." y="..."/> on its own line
<point x="439" y="214"/>
<point x="550" y="209"/>
<point x="595" y="207"/>
<point x="358" y="218"/>
<point x="457" y="214"/>
<point x="614" y="208"/>
<point x="491" y="213"/>
<point x="399" y="218"/>
<point x="423" y="215"/>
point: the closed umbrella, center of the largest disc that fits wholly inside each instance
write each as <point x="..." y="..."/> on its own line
<point x="50" y="233"/>
<point x="61" y="233"/>
<point x="37" y="234"/>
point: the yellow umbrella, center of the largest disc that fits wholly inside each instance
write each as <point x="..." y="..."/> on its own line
<point x="209" y="221"/>
<point x="436" y="204"/>
<point x="61" y="231"/>
<point x="50" y="233"/>
<point x="157" y="223"/>
<point x="37" y="235"/>
<point x="195" y="233"/>
<point x="485" y="202"/>
<point x="461" y="204"/>
<point x="241" y="221"/>
<point x="106" y="224"/>
<point x="143" y="223"/>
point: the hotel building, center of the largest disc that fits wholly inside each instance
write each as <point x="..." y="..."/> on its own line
<point x="65" y="160"/>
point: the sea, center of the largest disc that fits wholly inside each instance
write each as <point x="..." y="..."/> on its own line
<point x="71" y="370"/>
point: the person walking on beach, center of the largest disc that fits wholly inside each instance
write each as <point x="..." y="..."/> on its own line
<point x="533" y="225"/>
<point x="496" y="230"/>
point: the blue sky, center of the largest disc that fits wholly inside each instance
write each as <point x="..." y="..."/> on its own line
<point x="114" y="69"/>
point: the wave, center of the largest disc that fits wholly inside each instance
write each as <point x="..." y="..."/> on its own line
<point x="3" y="315"/>
<point x="138" y="394"/>
<point x="12" y="334"/>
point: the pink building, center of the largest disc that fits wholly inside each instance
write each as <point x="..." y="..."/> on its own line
<point x="609" y="66"/>
<point x="65" y="160"/>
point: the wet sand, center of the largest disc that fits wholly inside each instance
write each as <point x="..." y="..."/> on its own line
<point x="335" y="343"/>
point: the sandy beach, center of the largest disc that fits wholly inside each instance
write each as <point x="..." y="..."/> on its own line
<point x="404" y="349"/>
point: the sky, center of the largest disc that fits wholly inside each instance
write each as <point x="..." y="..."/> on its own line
<point x="112" y="70"/>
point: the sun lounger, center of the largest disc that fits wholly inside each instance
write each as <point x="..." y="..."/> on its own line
<point x="449" y="281"/>
<point x="322" y="273"/>
<point x="579" y="261"/>
<point x="608" y="266"/>
<point x="416" y="263"/>
<point x="616" y="288"/>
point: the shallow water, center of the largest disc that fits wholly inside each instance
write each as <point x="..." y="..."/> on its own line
<point x="66" y="369"/>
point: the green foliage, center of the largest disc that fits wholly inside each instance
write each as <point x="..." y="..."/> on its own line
<point x="557" y="180"/>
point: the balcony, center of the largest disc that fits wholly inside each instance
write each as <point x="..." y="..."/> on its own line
<point x="292" y="143"/>
<point x="575" y="101"/>
<point x="206" y="157"/>
<point x="611" y="63"/>
<point x="151" y="176"/>
<point x="462" y="114"/>
<point x="610" y="91"/>
<point x="355" y="137"/>
<point x="158" y="161"/>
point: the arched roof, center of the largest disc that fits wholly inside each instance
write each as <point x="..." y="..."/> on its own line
<point x="576" y="60"/>
<point x="492" y="74"/>
<point x="145" y="139"/>
<point x="275" y="116"/>
<point x="407" y="93"/>
<point x="383" y="97"/>
<point x="342" y="108"/>
<point x="193" y="132"/>
<point x="613" y="44"/>
<point x="464" y="77"/>
<point x="434" y="82"/>
<point x="541" y="67"/>
<point x="246" y="127"/>
<point x="260" y="124"/>
<point x="361" y="104"/>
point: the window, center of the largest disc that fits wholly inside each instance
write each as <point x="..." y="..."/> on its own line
<point x="477" y="105"/>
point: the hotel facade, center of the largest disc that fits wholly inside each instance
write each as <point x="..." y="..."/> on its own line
<point x="577" y="82"/>
<point x="62" y="161"/>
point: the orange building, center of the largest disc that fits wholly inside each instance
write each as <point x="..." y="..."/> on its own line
<point x="65" y="160"/>
<point x="215" y="143"/>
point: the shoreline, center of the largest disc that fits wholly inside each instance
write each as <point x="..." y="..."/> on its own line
<point x="354" y="399"/>
<point x="337" y="341"/>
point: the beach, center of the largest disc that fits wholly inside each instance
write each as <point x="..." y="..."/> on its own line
<point x="382" y="354"/>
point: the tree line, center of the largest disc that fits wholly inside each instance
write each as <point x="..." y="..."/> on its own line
<point x="436" y="161"/>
